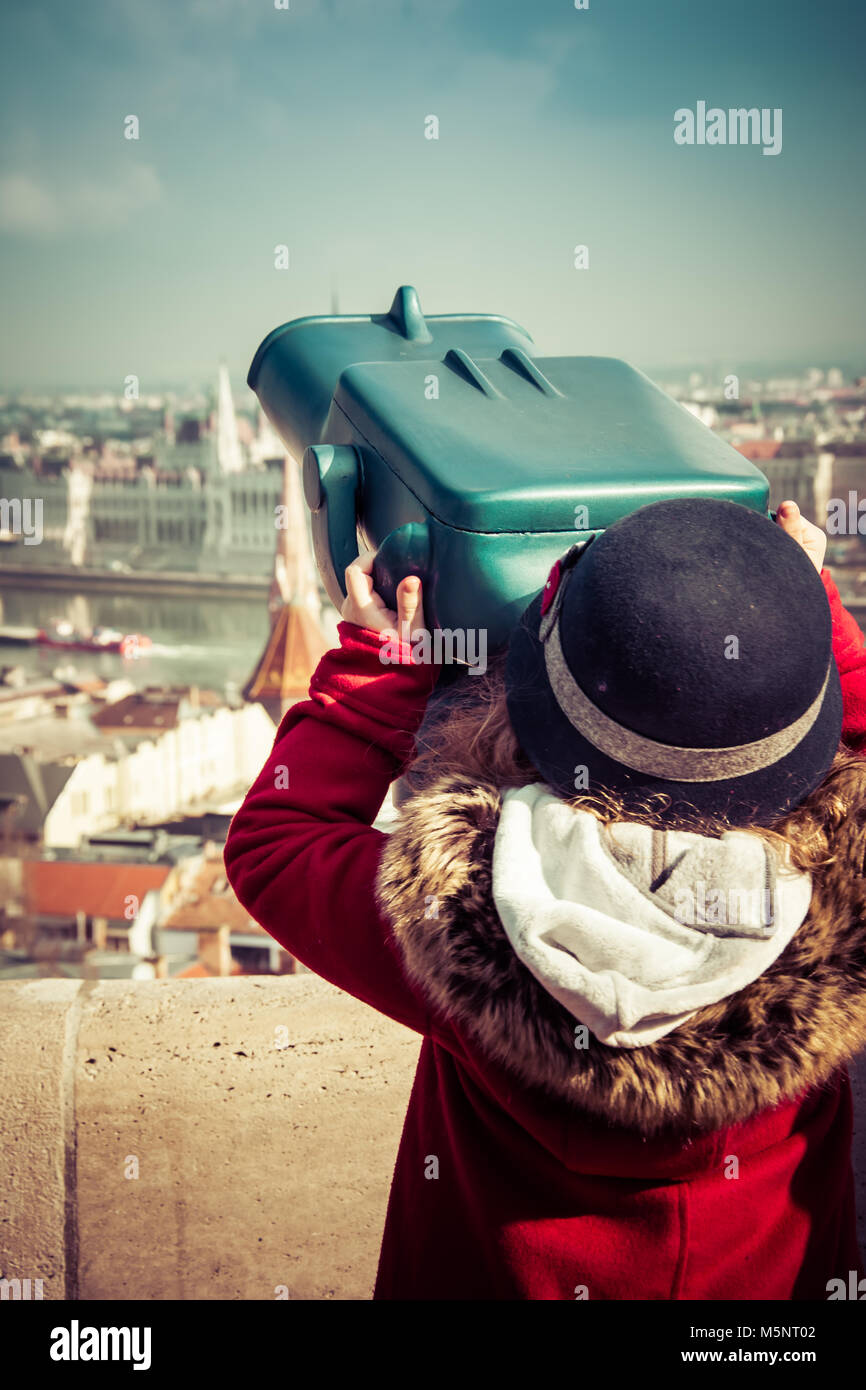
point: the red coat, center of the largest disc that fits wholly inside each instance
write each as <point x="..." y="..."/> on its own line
<point x="505" y="1187"/>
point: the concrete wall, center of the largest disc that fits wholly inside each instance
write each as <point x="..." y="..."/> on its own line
<point x="261" y="1117"/>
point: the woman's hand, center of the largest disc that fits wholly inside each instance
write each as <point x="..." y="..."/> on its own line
<point x="810" y="537"/>
<point x="364" y="606"/>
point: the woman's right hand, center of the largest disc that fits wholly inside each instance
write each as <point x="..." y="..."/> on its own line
<point x="366" y="608"/>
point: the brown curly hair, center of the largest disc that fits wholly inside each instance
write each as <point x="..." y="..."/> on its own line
<point x="471" y="735"/>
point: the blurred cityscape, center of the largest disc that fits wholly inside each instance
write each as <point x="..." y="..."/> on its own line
<point x="158" y="614"/>
<point x="160" y="610"/>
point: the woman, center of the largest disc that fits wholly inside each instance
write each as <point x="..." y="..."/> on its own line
<point x="624" y="907"/>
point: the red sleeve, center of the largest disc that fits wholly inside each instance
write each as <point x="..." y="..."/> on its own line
<point x="850" y="654"/>
<point x="301" y="853"/>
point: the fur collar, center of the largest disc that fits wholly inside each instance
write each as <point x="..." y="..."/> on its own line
<point x="786" y="1032"/>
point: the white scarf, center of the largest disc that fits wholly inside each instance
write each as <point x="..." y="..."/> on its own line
<point x="633" y="930"/>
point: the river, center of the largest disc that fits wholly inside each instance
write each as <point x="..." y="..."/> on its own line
<point x="211" y="642"/>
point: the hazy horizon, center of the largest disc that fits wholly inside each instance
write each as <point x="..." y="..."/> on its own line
<point x="205" y="380"/>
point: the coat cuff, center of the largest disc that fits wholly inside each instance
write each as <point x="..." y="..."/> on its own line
<point x="362" y="669"/>
<point x="382" y="702"/>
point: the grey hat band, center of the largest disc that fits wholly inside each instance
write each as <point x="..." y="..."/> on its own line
<point x="645" y="755"/>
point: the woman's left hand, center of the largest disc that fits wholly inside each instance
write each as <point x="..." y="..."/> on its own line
<point x="365" y="607"/>
<point x="805" y="533"/>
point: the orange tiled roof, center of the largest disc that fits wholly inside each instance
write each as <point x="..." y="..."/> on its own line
<point x="759" y="448"/>
<point x="292" y="652"/>
<point x="60" y="888"/>
<point x="200" y="971"/>
<point x="200" y="898"/>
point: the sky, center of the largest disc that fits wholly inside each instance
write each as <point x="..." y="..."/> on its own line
<point x="305" y="127"/>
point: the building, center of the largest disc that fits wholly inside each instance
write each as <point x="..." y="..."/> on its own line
<point x="139" y="904"/>
<point x="842" y="471"/>
<point x="792" y="467"/>
<point x="193" y="497"/>
<point x="200" y="915"/>
<point x="87" y="911"/>
<point x="147" y="758"/>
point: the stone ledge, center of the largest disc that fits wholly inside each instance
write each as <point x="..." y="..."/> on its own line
<point x="262" y="1116"/>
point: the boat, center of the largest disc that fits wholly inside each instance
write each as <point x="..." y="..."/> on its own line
<point x="18" y="636"/>
<point x="97" y="639"/>
<point x="63" y="636"/>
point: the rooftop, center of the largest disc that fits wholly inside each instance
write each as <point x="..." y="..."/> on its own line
<point x="61" y="888"/>
<point x="50" y="739"/>
<point x="199" y="897"/>
<point x="155" y="707"/>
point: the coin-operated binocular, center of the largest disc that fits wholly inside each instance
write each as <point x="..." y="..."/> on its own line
<point x="445" y="444"/>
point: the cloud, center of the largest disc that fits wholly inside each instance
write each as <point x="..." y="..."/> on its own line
<point x="30" y="206"/>
<point x="98" y="205"/>
<point x="26" y="207"/>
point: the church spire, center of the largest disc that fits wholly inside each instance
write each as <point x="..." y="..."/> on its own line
<point x="229" y="456"/>
<point x="296" y="641"/>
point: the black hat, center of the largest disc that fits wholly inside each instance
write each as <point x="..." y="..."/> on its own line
<point x="687" y="650"/>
